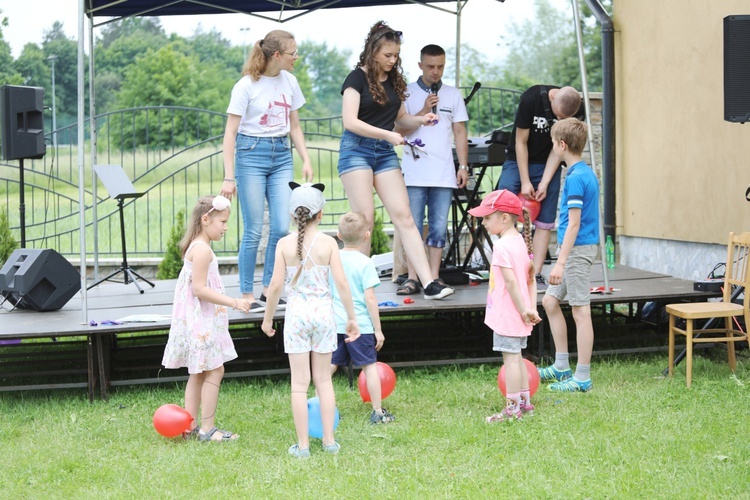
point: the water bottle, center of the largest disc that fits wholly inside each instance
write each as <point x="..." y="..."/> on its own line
<point x="609" y="248"/>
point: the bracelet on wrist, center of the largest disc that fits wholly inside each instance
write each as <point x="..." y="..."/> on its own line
<point x="463" y="167"/>
<point x="228" y="179"/>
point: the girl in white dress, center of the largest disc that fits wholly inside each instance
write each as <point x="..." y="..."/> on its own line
<point x="199" y="335"/>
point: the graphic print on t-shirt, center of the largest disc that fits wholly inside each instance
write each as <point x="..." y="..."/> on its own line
<point x="277" y="115"/>
<point x="541" y="124"/>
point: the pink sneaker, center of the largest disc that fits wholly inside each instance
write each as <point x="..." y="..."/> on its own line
<point x="527" y="409"/>
<point x="505" y="415"/>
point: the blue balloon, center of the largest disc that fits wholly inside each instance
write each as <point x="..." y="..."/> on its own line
<point x="314" y="422"/>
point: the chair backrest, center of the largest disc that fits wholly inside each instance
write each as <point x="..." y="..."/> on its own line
<point x="738" y="268"/>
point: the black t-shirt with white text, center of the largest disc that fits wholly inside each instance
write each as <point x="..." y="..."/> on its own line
<point x="532" y="115"/>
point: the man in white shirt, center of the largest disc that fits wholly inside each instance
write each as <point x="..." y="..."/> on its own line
<point x="429" y="171"/>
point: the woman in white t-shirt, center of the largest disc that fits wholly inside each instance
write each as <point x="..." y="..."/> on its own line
<point x="263" y="114"/>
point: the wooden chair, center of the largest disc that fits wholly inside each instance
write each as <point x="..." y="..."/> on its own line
<point x="737" y="275"/>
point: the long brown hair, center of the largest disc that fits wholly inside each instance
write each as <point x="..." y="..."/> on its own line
<point x="379" y="33"/>
<point x="274" y="41"/>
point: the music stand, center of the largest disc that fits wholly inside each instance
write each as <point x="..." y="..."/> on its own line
<point x="120" y="188"/>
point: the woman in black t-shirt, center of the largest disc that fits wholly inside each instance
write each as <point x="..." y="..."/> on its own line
<point x="373" y="103"/>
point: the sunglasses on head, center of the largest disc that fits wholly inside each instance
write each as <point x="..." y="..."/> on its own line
<point x="390" y="34"/>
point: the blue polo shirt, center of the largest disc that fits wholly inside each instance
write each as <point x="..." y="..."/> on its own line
<point x="581" y="191"/>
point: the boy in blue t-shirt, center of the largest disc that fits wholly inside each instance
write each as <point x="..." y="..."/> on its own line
<point x="577" y="239"/>
<point x="363" y="278"/>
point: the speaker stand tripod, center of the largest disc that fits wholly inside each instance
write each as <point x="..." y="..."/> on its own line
<point x="120" y="188"/>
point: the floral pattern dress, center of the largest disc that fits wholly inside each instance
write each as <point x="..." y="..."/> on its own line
<point x="309" y="322"/>
<point x="199" y="334"/>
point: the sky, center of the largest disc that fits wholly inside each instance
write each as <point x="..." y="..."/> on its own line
<point x="483" y="26"/>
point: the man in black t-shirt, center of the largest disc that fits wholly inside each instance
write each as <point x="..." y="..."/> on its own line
<point x="531" y="166"/>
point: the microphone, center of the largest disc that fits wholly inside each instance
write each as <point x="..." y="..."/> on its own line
<point x="471" y="94"/>
<point x="434" y="90"/>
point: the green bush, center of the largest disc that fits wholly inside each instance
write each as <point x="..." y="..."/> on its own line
<point x="379" y="242"/>
<point x="171" y="264"/>
<point x="7" y="242"/>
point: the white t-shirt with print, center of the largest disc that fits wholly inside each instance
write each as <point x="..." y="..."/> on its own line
<point x="265" y="104"/>
<point x="435" y="167"/>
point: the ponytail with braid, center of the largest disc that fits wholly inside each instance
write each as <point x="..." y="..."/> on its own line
<point x="529" y="243"/>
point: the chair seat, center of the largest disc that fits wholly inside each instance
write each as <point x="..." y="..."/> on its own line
<point x="700" y="310"/>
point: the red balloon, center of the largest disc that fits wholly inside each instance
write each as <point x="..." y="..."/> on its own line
<point x="533" y="377"/>
<point x="532" y="205"/>
<point x="387" y="382"/>
<point x="172" y="420"/>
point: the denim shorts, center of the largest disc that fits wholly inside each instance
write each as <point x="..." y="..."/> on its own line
<point x="361" y="153"/>
<point x="511" y="345"/>
<point x="576" y="281"/>
<point x="510" y="179"/>
<point x="362" y="351"/>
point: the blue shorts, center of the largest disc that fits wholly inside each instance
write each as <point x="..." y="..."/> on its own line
<point x="363" y="153"/>
<point x="362" y="351"/>
<point x="510" y="179"/>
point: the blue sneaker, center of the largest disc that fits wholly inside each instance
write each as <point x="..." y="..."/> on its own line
<point x="332" y="448"/>
<point x="298" y="452"/>
<point x="552" y="373"/>
<point x="571" y="385"/>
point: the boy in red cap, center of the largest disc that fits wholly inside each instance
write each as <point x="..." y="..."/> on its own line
<point x="511" y="298"/>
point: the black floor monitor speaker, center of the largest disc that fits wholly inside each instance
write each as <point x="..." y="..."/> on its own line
<point x="22" y="122"/>
<point x="737" y="68"/>
<point x="38" y="279"/>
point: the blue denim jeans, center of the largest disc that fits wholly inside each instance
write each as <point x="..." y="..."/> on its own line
<point x="263" y="169"/>
<point x="510" y="179"/>
<point x="438" y="202"/>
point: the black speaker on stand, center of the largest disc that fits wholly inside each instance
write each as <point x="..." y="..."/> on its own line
<point x="22" y="132"/>
<point x="38" y="279"/>
<point x="737" y="69"/>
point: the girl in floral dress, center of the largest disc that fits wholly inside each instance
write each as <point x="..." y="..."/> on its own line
<point x="305" y="260"/>
<point x="199" y="335"/>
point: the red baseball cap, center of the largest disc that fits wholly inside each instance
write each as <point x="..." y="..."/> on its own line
<point x="498" y="201"/>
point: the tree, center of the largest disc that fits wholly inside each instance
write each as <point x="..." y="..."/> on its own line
<point x="327" y="68"/>
<point x="8" y="75"/>
<point x="56" y="43"/>
<point x="544" y="49"/>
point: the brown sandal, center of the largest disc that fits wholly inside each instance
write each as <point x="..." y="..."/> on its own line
<point x="408" y="287"/>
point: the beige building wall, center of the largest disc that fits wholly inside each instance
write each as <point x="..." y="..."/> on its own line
<point x="681" y="170"/>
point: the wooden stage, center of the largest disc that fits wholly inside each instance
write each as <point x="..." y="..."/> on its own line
<point x="68" y="353"/>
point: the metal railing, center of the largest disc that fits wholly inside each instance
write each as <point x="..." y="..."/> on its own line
<point x="174" y="156"/>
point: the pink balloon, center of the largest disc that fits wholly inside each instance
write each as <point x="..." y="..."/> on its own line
<point x="172" y="420"/>
<point x="533" y="377"/>
<point x="387" y="382"/>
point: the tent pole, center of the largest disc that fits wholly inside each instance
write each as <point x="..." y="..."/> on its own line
<point x="594" y="166"/>
<point x="92" y="134"/>
<point x="458" y="44"/>
<point x="81" y="171"/>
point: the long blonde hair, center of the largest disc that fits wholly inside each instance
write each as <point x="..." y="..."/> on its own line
<point x="257" y="61"/>
<point x="526" y="219"/>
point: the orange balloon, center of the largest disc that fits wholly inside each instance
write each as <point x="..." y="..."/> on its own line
<point x="387" y="382"/>
<point x="172" y="420"/>
<point x="532" y="205"/>
<point x="533" y="377"/>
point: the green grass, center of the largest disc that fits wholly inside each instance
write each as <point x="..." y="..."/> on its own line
<point x="636" y="435"/>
